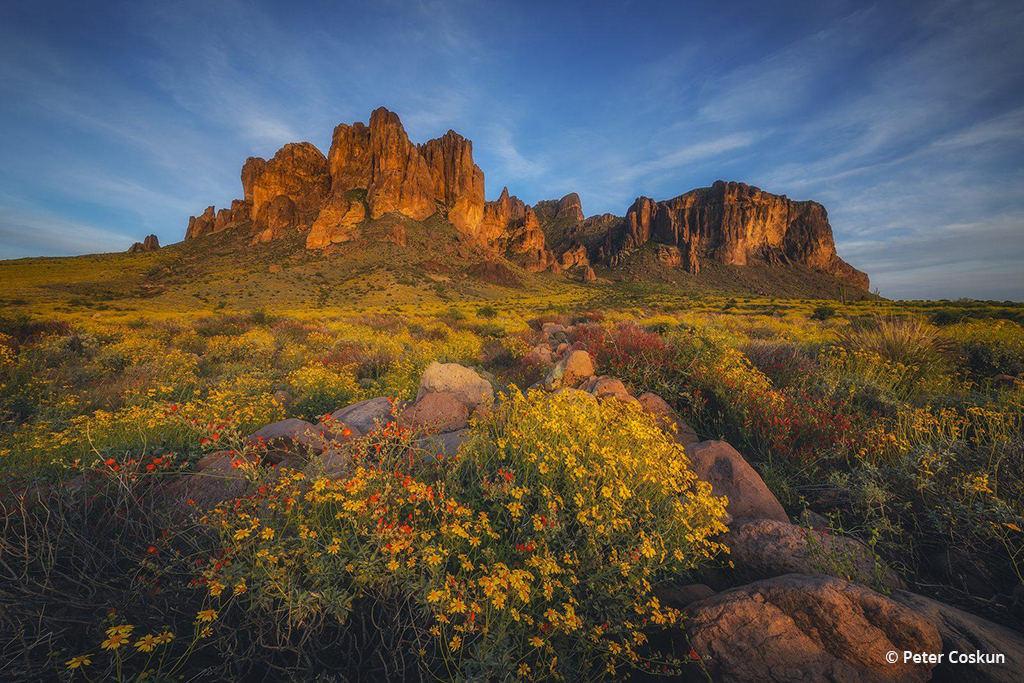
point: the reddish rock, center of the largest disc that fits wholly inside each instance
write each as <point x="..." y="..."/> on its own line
<point x="367" y="416"/>
<point x="458" y="381"/>
<point x="667" y="418"/>
<point x="288" y="437"/>
<point x="574" y="257"/>
<point x="525" y="239"/>
<point x="201" y="225"/>
<point x="252" y="169"/>
<point x="719" y="464"/>
<point x="337" y="222"/>
<point x="763" y="548"/>
<point x="681" y="596"/>
<point x="569" y="207"/>
<point x="498" y="214"/>
<point x="151" y="243"/>
<point x="297" y="172"/>
<point x="966" y="634"/>
<point x="349" y="158"/>
<point x="400" y="178"/>
<point x="443" y="445"/>
<point x="279" y="215"/>
<point x="458" y="182"/>
<point x="808" y="628"/>
<point x="435" y="413"/>
<point x="589" y="275"/>
<point x="731" y="223"/>
<point x="217" y="482"/>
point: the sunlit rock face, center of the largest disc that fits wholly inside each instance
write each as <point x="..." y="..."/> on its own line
<point x="732" y="223"/>
<point x="373" y="170"/>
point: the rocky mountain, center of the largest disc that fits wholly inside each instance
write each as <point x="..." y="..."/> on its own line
<point x="374" y="170"/>
<point x="730" y="223"/>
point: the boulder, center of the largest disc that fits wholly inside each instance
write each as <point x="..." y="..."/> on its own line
<point x="462" y="383"/>
<point x="577" y="366"/>
<point x="589" y="275"/>
<point x="668" y="419"/>
<point x="232" y="457"/>
<point x="810" y="518"/>
<point x="763" y="548"/>
<point x="366" y="416"/>
<point x="288" y="437"/>
<point x="570" y="371"/>
<point x="719" y="464"/>
<point x="1004" y="381"/>
<point x="608" y="387"/>
<point x="552" y="330"/>
<point x="967" y="634"/>
<point x="808" y="628"/>
<point x="282" y="396"/>
<point x="435" y="413"/>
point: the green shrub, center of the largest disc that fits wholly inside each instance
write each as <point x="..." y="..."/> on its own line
<point x="823" y="313"/>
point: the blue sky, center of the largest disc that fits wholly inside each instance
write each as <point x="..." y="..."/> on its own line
<point x="906" y="120"/>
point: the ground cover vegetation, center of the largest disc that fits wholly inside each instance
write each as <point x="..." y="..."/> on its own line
<point x="537" y="548"/>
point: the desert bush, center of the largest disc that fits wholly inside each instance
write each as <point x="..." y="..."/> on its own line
<point x="320" y="389"/>
<point x="534" y="551"/>
<point x="786" y="364"/>
<point x="907" y="350"/>
<point x="824" y="312"/>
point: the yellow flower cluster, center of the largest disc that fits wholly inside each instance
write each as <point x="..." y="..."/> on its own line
<point x="544" y="537"/>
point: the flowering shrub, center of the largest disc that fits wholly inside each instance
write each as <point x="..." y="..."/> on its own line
<point x="320" y="389"/>
<point x="535" y="551"/>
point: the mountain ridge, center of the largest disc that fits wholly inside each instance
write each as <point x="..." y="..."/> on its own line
<point x="372" y="170"/>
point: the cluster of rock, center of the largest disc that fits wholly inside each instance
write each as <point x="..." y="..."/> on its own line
<point x="784" y="612"/>
<point x="730" y="223"/>
<point x="151" y="243"/>
<point x="374" y="170"/>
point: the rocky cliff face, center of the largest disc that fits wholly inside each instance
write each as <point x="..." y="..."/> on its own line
<point x="731" y="223"/>
<point x="458" y="182"/>
<point x="374" y="170"/>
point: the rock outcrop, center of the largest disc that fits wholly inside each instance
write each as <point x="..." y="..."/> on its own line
<point x="808" y="628"/>
<point x="525" y="239"/>
<point x="458" y="182"/>
<point x="291" y="188"/>
<point x="151" y="243"/>
<point x="566" y="208"/>
<point x="373" y="170"/>
<point x="732" y="223"/>
<point x="499" y="214"/>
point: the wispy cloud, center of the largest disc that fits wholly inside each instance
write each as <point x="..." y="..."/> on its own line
<point x="905" y="120"/>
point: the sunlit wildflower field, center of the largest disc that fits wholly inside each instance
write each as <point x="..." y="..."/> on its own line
<point x="537" y="548"/>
